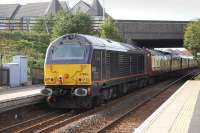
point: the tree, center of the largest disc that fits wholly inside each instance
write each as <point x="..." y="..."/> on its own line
<point x="192" y="37"/>
<point x="66" y="22"/>
<point x="44" y="24"/>
<point x="109" y="30"/>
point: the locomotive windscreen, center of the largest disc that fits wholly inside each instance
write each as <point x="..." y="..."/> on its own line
<point x="68" y="52"/>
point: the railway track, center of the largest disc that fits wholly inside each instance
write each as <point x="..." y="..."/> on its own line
<point x="49" y="121"/>
<point x="24" y="125"/>
<point x="55" y="120"/>
<point x="105" y="118"/>
<point x="115" y="121"/>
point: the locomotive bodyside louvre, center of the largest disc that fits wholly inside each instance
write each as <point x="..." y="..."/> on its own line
<point x="117" y="66"/>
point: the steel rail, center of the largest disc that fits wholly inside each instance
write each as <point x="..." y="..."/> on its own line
<point x="145" y="101"/>
<point x="61" y="120"/>
<point x="35" y="127"/>
<point x="75" y="118"/>
<point x="27" y="121"/>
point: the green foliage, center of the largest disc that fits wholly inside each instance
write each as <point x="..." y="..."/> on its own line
<point x="192" y="36"/>
<point x="44" y="24"/>
<point x="33" y="45"/>
<point x="66" y="22"/>
<point x="109" y="30"/>
<point x="30" y="36"/>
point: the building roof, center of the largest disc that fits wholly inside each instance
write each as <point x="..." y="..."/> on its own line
<point x="53" y="7"/>
<point x="40" y="9"/>
<point x="97" y="8"/>
<point x="8" y="10"/>
<point x="64" y="5"/>
<point x="32" y="10"/>
<point x="81" y="6"/>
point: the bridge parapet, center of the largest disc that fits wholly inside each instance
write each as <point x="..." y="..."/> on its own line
<point x="151" y="30"/>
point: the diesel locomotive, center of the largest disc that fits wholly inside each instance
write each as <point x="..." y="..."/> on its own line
<point x="83" y="70"/>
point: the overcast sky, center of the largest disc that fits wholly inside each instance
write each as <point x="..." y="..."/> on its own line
<point x="141" y="9"/>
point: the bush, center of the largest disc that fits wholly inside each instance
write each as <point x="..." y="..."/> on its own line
<point x="21" y="43"/>
<point x="110" y="31"/>
<point x="30" y="36"/>
<point x="192" y="37"/>
<point x="66" y="22"/>
<point x="44" y="25"/>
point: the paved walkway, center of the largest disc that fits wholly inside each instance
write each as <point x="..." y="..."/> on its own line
<point x="179" y="114"/>
<point x="8" y="94"/>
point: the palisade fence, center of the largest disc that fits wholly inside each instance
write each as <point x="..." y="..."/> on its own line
<point x="36" y="75"/>
<point x="27" y="24"/>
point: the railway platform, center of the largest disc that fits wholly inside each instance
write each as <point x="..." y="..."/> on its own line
<point x="6" y="89"/>
<point x="17" y="97"/>
<point x="179" y="114"/>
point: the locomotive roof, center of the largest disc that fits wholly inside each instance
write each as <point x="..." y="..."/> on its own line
<point x="98" y="43"/>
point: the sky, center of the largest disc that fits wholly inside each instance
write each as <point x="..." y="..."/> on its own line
<point x="182" y="10"/>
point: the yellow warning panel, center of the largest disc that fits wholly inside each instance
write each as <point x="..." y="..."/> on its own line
<point x="67" y="74"/>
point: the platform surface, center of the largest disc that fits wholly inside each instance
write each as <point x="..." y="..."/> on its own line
<point x="21" y="92"/>
<point x="179" y="114"/>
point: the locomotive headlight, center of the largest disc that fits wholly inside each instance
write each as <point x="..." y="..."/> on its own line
<point x="81" y="92"/>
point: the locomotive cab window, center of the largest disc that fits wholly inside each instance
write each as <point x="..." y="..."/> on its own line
<point x="63" y="52"/>
<point x="72" y="52"/>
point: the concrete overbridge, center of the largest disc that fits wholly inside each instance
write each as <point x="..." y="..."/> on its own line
<point x="153" y="34"/>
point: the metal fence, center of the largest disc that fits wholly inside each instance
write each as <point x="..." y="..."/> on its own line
<point x="37" y="75"/>
<point x="27" y="24"/>
<point x="4" y="78"/>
